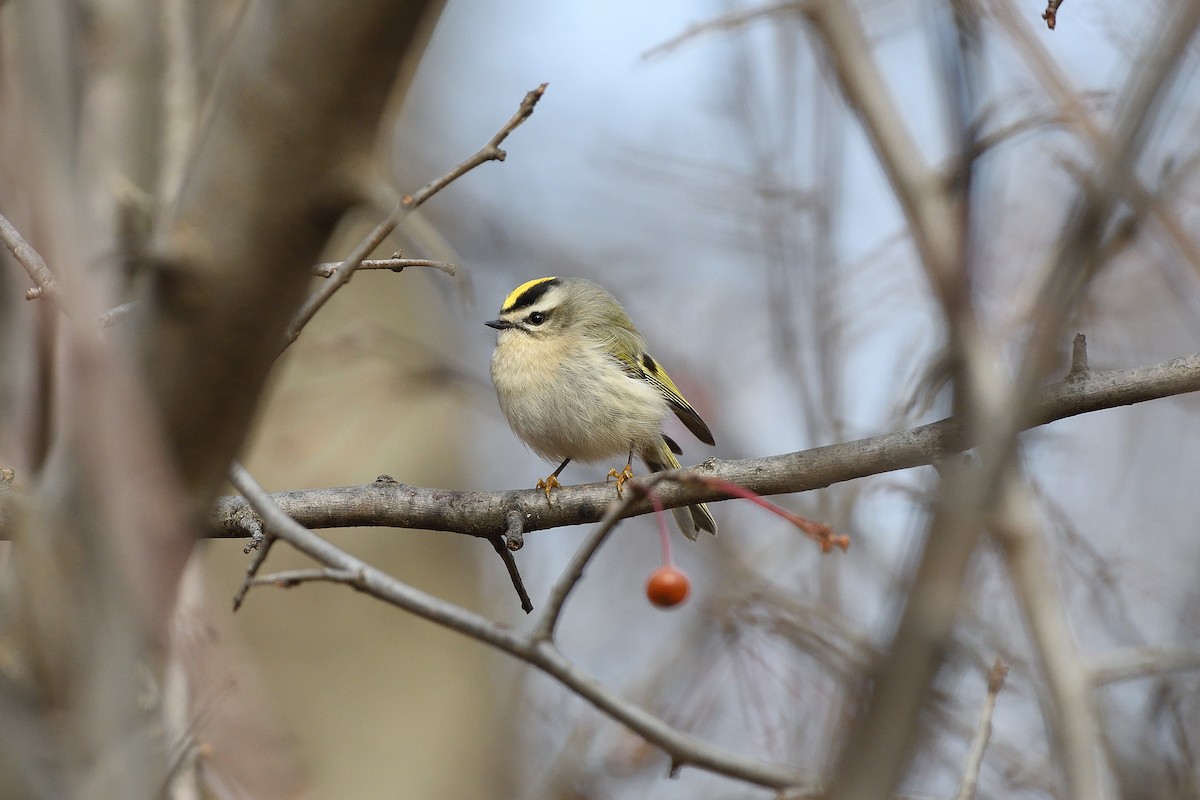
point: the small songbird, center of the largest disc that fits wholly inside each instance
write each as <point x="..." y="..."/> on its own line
<point x="576" y="384"/>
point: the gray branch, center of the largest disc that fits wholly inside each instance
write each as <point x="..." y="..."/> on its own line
<point x="485" y="514"/>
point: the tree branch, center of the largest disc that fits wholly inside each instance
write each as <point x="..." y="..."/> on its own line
<point x="44" y="282"/>
<point x="486" y="514"/>
<point x="407" y="204"/>
<point x="1068" y="703"/>
<point x="396" y="264"/>
<point x="1143" y="662"/>
<point x="983" y="733"/>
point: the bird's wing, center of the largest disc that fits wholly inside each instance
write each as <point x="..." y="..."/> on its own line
<point x="650" y="370"/>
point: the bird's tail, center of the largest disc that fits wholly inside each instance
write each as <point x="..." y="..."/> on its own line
<point x="691" y="519"/>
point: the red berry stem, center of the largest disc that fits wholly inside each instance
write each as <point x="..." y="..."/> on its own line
<point x="819" y="531"/>
<point x="664" y="536"/>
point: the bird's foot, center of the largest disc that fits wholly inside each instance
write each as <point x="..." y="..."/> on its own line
<point x="621" y="476"/>
<point x="548" y="484"/>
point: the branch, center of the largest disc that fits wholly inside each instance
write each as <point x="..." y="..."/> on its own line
<point x="1143" y="662"/>
<point x="295" y="577"/>
<point x="540" y="653"/>
<point x="1068" y="705"/>
<point x="993" y="409"/>
<point x="1051" y="13"/>
<point x="44" y="283"/>
<point x="486" y="514"/>
<point x="734" y="19"/>
<point x="342" y="274"/>
<point x="921" y="191"/>
<point x="510" y="563"/>
<point x="395" y="264"/>
<point x="407" y="204"/>
<point x="983" y="734"/>
<point x="546" y="625"/>
<point x="489" y="152"/>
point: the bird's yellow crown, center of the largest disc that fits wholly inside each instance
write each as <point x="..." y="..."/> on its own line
<point x="515" y="294"/>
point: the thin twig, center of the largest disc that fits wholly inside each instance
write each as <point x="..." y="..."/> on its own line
<point x="927" y="205"/>
<point x="294" y="577"/>
<point x="734" y="19"/>
<point x="573" y="573"/>
<point x="395" y="264"/>
<point x="489" y="152"/>
<point x="45" y="284"/>
<point x="341" y="276"/>
<point x="260" y="543"/>
<point x="514" y="574"/>
<point x="983" y="733"/>
<point x="1143" y="662"/>
<point x="116" y="314"/>
<point x="1051" y="13"/>
<point x="1068" y="706"/>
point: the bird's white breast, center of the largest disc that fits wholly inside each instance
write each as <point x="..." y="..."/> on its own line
<point x="573" y="403"/>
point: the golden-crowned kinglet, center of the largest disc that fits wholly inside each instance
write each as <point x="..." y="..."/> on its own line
<point x="576" y="383"/>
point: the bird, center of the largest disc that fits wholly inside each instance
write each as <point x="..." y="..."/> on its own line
<point x="576" y="383"/>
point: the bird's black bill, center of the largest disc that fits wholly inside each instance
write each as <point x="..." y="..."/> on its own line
<point x="499" y="324"/>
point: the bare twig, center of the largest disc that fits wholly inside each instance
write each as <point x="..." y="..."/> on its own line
<point x="45" y="284"/>
<point x="294" y="577"/>
<point x="1079" y="358"/>
<point x="489" y="152"/>
<point x="1051" y="13"/>
<point x="514" y="574"/>
<point x="542" y="654"/>
<point x="984" y="732"/>
<point x="1143" y="662"/>
<point x="180" y="108"/>
<point x="488" y="513"/>
<point x="260" y="543"/>
<point x="920" y="190"/>
<point x="395" y="264"/>
<point x="1074" y="264"/>
<point x="544" y="630"/>
<point x="115" y="314"/>
<point x="733" y="19"/>
<point x="1068" y="706"/>
<point x="342" y="274"/>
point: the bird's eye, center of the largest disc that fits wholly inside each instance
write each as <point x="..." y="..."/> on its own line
<point x="536" y="318"/>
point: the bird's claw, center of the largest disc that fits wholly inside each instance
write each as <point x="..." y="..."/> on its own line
<point x="548" y="484"/>
<point x="621" y="476"/>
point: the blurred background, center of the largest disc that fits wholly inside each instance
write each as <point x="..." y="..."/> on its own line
<point x="717" y="185"/>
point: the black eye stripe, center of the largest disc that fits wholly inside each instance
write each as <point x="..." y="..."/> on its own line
<point x="531" y="295"/>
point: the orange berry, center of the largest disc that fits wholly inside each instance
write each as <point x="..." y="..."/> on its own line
<point x="667" y="587"/>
